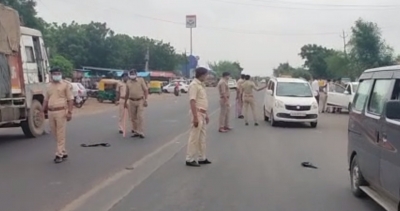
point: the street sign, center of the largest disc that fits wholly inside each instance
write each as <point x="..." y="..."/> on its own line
<point x="190" y="21"/>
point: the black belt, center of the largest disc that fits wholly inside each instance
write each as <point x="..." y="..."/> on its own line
<point x="136" y="99"/>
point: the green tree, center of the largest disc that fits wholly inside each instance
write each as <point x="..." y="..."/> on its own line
<point x="302" y="73"/>
<point x="338" y="65"/>
<point x="314" y="56"/>
<point x="368" y="49"/>
<point x="27" y="12"/>
<point x="283" y="69"/>
<point x="66" y="66"/>
<point x="233" y="68"/>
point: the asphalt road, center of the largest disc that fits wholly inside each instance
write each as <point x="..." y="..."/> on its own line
<point x="29" y="180"/>
<point x="254" y="168"/>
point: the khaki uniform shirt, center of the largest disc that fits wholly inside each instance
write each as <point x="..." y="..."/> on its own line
<point x="223" y="88"/>
<point x="197" y="92"/>
<point x="136" y="88"/>
<point x="121" y="88"/>
<point x="248" y="87"/>
<point x="58" y="94"/>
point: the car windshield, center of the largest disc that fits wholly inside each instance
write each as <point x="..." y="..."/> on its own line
<point x="293" y="89"/>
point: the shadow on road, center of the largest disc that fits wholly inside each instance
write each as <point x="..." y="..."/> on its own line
<point x="6" y="139"/>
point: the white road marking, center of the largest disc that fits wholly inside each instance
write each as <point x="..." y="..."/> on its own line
<point x="82" y="202"/>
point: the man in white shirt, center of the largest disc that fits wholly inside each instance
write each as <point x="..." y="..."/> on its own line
<point x="324" y="97"/>
<point x="315" y="88"/>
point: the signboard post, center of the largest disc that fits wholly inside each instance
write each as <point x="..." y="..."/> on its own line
<point x="191" y="23"/>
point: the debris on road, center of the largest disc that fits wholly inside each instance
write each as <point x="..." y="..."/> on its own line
<point x="96" y="145"/>
<point x="308" y="165"/>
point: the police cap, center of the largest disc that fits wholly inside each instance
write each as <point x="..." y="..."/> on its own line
<point x="55" y="69"/>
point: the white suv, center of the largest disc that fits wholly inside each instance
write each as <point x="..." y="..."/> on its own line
<point x="290" y="100"/>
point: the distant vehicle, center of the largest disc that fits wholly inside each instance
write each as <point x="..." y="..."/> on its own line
<point x="374" y="137"/>
<point x="342" y="96"/>
<point x="232" y="84"/>
<point x="79" y="90"/>
<point x="290" y="100"/>
<point x="183" y="87"/>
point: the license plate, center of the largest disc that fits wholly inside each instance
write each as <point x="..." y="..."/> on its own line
<point x="297" y="114"/>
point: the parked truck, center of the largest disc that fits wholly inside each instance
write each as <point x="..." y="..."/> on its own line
<point x="23" y="74"/>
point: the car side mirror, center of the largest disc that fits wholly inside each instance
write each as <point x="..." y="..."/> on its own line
<point x="392" y="109"/>
<point x="346" y="92"/>
<point x="269" y="92"/>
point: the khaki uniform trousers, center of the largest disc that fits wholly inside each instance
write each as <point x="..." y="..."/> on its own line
<point x="136" y="115"/>
<point x="58" y="126"/>
<point x="196" y="148"/>
<point x="323" y="99"/>
<point x="224" y="114"/>
<point x="122" y="113"/>
<point x="248" y="101"/>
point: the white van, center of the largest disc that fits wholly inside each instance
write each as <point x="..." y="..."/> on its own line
<point x="290" y="100"/>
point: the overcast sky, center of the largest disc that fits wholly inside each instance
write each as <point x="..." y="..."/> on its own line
<point x="259" y="34"/>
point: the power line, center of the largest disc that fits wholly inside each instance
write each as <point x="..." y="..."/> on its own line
<point x="393" y="7"/>
<point x="326" y="5"/>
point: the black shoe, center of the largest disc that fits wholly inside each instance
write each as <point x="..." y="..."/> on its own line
<point x="206" y="161"/>
<point x="247" y="124"/>
<point x="135" y="135"/>
<point x="133" y="131"/>
<point x="64" y="157"/>
<point x="192" y="164"/>
<point x="141" y="136"/>
<point x="120" y="132"/>
<point x="255" y="124"/>
<point x="241" y="117"/>
<point x="58" y="159"/>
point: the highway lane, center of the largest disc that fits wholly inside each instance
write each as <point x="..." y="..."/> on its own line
<point x="31" y="181"/>
<point x="257" y="169"/>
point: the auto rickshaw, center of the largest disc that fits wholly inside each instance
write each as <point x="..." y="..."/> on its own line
<point x="155" y="87"/>
<point x="107" y="90"/>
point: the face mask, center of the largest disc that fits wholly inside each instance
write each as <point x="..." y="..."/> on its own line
<point x="132" y="76"/>
<point x="56" y="77"/>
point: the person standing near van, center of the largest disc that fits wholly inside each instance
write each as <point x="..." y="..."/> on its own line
<point x="195" y="154"/>
<point x="324" y="97"/>
<point x="120" y="101"/>
<point x="248" y="98"/>
<point x="315" y="88"/>
<point x="239" y="97"/>
<point x="223" y="89"/>
<point x="59" y="103"/>
<point x="135" y="101"/>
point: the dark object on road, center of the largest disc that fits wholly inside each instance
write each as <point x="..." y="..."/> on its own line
<point x="129" y="168"/>
<point x="308" y="165"/>
<point x="96" y="145"/>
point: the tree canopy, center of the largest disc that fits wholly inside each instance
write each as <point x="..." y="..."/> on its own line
<point x="367" y="50"/>
<point x="95" y="44"/>
<point x="219" y="67"/>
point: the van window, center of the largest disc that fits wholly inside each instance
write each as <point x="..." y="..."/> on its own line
<point x="30" y="56"/>
<point x="378" y="96"/>
<point x="362" y="95"/>
<point x="396" y="91"/>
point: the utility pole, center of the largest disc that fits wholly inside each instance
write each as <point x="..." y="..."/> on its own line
<point x="186" y="66"/>
<point x="344" y="36"/>
<point x="147" y="58"/>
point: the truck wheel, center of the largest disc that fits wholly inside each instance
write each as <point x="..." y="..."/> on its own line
<point x="33" y="126"/>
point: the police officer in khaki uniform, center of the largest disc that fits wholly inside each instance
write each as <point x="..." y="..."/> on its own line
<point x="223" y="89"/>
<point x="120" y="101"/>
<point x="239" y="97"/>
<point x="196" y="147"/>
<point x="59" y="103"/>
<point x="135" y="101"/>
<point x="248" y="98"/>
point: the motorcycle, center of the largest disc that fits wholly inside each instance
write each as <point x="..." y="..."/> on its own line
<point x="78" y="102"/>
